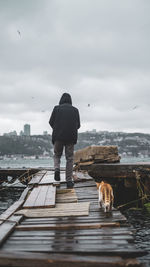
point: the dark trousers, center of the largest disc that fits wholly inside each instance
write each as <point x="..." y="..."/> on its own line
<point x="69" y="150"/>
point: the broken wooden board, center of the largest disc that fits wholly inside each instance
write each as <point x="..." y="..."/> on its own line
<point x="97" y="154"/>
<point x="60" y="210"/>
<point x="7" y="227"/>
<point x="37" y="178"/>
<point x="66" y="196"/>
<point x="6" y="214"/>
<point x="26" y="259"/>
<point x="41" y="196"/>
<point x="48" y="178"/>
<point x="73" y="226"/>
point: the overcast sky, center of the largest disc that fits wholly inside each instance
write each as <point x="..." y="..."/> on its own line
<point x="96" y="50"/>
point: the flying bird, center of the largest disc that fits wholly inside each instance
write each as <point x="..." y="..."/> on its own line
<point x="19" y="32"/>
<point x="135" y="107"/>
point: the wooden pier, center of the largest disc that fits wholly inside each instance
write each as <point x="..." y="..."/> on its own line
<point x="53" y="226"/>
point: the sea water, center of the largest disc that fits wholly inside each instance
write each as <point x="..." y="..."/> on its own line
<point x="48" y="162"/>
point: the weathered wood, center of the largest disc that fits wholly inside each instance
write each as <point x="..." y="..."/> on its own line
<point x="32" y="197"/>
<point x="66" y="196"/>
<point x="48" y="178"/>
<point x="123" y="231"/>
<point x="41" y="196"/>
<point x="7" y="227"/>
<point x="24" y="194"/>
<point x="6" y="214"/>
<point x="60" y="210"/>
<point x="67" y="239"/>
<point x="67" y="226"/>
<point x="37" y="178"/>
<point x="89" y="249"/>
<point x="100" y="243"/>
<point x="55" y="260"/>
<point x="84" y="235"/>
<point x="97" y="154"/>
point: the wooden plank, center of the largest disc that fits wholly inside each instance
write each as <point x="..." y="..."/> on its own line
<point x="37" y="178"/>
<point x="66" y="196"/>
<point x="6" y="214"/>
<point x="67" y="220"/>
<point x="7" y="227"/>
<point x="50" y="197"/>
<point x="82" y="249"/>
<point x="67" y="226"/>
<point x="41" y="196"/>
<point x="92" y="239"/>
<point x="45" y="260"/>
<point x="49" y="178"/>
<point x="70" y="218"/>
<point x="123" y="231"/>
<point x="32" y="197"/>
<point x="62" y="241"/>
<point x="60" y="210"/>
<point x="40" y="200"/>
<point x="24" y="194"/>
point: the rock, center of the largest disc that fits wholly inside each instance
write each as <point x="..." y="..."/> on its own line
<point x="97" y="154"/>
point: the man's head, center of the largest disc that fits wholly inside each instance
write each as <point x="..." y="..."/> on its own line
<point x="65" y="99"/>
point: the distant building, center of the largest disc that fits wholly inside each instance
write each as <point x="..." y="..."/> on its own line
<point x="27" y="129"/>
<point x="21" y="133"/>
<point x="14" y="133"/>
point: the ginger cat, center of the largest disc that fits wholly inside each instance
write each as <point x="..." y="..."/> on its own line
<point x="106" y="196"/>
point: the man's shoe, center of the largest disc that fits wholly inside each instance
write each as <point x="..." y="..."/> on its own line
<point x="70" y="184"/>
<point x="57" y="175"/>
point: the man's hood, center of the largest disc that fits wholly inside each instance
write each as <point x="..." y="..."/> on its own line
<point x="65" y="99"/>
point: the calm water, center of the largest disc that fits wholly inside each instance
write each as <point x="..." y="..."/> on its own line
<point x="140" y="219"/>
<point x="48" y="162"/>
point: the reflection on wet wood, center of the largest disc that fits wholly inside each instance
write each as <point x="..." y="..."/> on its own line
<point x="91" y="238"/>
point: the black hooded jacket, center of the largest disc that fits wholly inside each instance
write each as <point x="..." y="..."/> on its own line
<point x="65" y="121"/>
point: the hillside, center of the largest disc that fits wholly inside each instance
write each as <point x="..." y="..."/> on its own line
<point x="130" y="144"/>
<point x="25" y="145"/>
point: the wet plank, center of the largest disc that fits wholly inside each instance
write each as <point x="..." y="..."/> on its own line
<point x="37" y="178"/>
<point x="7" y="227"/>
<point x="84" y="232"/>
<point x="48" y="178"/>
<point x="24" y="194"/>
<point x="6" y="214"/>
<point x="45" y="260"/>
<point x="60" y="210"/>
<point x="87" y="238"/>
<point x="125" y="250"/>
<point x="67" y="226"/>
<point x="66" y="196"/>
<point x="96" y="234"/>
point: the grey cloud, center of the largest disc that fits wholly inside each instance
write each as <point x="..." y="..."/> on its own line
<point x="96" y="50"/>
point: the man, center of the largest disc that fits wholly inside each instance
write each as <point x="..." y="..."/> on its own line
<point x="65" y="122"/>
